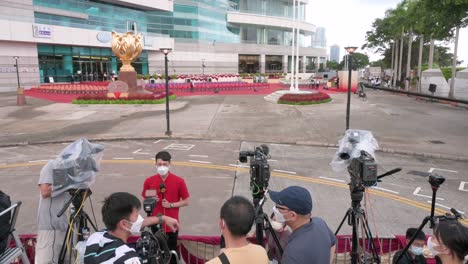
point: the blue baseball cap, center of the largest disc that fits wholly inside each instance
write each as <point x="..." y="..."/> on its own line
<point x="296" y="198"/>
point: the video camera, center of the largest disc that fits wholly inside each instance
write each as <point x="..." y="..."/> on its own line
<point x="74" y="168"/>
<point x="356" y="153"/>
<point x="259" y="169"/>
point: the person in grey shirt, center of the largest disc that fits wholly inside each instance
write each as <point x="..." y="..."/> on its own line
<point x="311" y="241"/>
<point x="51" y="229"/>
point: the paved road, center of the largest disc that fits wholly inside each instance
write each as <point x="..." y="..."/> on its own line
<point x="213" y="174"/>
<point x="398" y="122"/>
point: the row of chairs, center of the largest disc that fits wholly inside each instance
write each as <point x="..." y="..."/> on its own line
<point x="71" y="89"/>
<point x="208" y="86"/>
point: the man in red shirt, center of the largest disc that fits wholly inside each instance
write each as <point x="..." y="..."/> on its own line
<point x="172" y="194"/>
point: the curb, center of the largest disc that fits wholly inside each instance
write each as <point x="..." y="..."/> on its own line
<point x="197" y="137"/>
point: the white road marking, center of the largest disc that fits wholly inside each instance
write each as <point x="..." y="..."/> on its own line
<point x="8" y="148"/>
<point x="32" y="161"/>
<point x="141" y="153"/>
<point x="201" y="156"/>
<point x="272" y="160"/>
<point x="418" y="189"/>
<point x="160" y="140"/>
<point x="215" y="177"/>
<point x="122" y="158"/>
<point x="443" y="206"/>
<point x="331" y="179"/>
<point x="283" y="171"/>
<point x="387" y="190"/>
<point x="281" y="145"/>
<point x="433" y="169"/>
<point x="220" y="141"/>
<point x="462" y="186"/>
<point x="241" y="166"/>
<point x="199" y="161"/>
<point x="180" y="146"/>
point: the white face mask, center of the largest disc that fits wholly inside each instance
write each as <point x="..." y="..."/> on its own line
<point x="162" y="170"/>
<point x="417" y="250"/>
<point x="277" y="226"/>
<point x="279" y="216"/>
<point x="431" y="245"/>
<point x="136" y="226"/>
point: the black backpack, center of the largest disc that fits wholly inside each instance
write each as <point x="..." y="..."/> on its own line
<point x="5" y="219"/>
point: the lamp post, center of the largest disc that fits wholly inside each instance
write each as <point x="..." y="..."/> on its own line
<point x="20" y="99"/>
<point x="350" y="51"/>
<point x="203" y="67"/>
<point x="168" y="127"/>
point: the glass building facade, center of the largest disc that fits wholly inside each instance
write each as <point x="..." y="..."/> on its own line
<point x="190" y="22"/>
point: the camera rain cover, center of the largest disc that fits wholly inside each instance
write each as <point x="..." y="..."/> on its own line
<point x="74" y="168"/>
<point x="350" y="148"/>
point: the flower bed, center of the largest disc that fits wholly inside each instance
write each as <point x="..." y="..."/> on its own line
<point x="138" y="99"/>
<point x="304" y="99"/>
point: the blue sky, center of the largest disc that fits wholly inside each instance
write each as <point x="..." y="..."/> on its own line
<point x="347" y="21"/>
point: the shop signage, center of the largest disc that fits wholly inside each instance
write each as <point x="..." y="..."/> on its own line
<point x="42" y="31"/>
<point x="104" y="37"/>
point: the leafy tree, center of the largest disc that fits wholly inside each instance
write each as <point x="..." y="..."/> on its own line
<point x="333" y="65"/>
<point x="360" y="61"/>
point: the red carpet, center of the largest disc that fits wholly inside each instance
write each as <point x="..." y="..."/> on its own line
<point x="68" y="97"/>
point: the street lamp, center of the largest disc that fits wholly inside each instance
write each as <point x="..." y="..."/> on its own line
<point x="350" y="51"/>
<point x="168" y="127"/>
<point x="20" y="98"/>
<point x="203" y="67"/>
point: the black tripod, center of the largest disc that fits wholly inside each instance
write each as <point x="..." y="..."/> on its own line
<point x="357" y="218"/>
<point x="262" y="223"/>
<point x="435" y="181"/>
<point x="79" y="220"/>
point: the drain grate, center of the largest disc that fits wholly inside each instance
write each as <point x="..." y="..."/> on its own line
<point x="436" y="142"/>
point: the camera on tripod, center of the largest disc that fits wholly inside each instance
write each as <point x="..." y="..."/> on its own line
<point x="356" y="153"/>
<point x="259" y="169"/>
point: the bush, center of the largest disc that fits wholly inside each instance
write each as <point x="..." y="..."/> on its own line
<point x="304" y="99"/>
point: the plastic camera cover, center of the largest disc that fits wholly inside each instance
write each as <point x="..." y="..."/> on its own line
<point x="74" y="168"/>
<point x="351" y="144"/>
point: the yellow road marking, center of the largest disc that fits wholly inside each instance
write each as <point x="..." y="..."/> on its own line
<point x="394" y="197"/>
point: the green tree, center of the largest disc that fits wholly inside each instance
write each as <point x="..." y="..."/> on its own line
<point x="360" y="61"/>
<point x="333" y="65"/>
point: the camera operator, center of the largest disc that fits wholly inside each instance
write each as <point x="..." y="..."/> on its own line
<point x="311" y="241"/>
<point x="121" y="217"/>
<point x="415" y="253"/>
<point x="449" y="242"/>
<point x="51" y="229"/>
<point x="172" y="194"/>
<point x="236" y="219"/>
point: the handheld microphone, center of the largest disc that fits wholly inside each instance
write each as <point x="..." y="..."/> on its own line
<point x="162" y="190"/>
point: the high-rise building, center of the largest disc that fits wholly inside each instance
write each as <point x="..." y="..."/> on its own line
<point x="320" y="38"/>
<point x="61" y="38"/>
<point x="335" y="53"/>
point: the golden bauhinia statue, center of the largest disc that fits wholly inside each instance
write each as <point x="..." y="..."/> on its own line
<point x="126" y="47"/>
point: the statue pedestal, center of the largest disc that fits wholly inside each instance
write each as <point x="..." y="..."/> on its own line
<point x="130" y="78"/>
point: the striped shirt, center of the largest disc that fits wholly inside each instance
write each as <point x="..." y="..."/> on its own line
<point x="102" y="247"/>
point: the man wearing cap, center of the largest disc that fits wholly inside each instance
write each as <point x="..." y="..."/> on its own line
<point x="311" y="241"/>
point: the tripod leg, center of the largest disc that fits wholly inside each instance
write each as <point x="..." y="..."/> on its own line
<point x="90" y="221"/>
<point x="273" y="234"/>
<point x="370" y="238"/>
<point x="63" y="250"/>
<point x="424" y="222"/>
<point x="347" y="214"/>
<point x="355" y="242"/>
